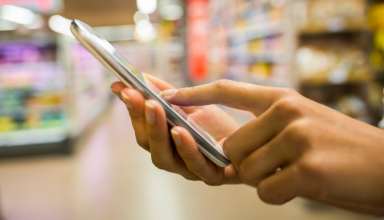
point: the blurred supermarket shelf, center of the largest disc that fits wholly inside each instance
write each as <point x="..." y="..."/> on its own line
<point x="33" y="137"/>
<point x="237" y="56"/>
<point x="243" y="35"/>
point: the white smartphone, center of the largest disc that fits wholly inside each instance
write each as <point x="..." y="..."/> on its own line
<point x="108" y="56"/>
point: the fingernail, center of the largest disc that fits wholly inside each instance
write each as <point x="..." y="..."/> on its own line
<point x="114" y="90"/>
<point x="168" y="94"/>
<point x="176" y="137"/>
<point x="126" y="98"/>
<point x="150" y="114"/>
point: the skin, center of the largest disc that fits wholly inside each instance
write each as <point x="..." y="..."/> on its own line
<point x="294" y="147"/>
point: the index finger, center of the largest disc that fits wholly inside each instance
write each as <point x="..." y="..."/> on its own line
<point x="233" y="94"/>
<point x="159" y="84"/>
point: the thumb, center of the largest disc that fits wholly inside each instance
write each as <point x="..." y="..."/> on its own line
<point x="229" y="93"/>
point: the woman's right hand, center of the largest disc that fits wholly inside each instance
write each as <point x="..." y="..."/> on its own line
<point x="296" y="147"/>
<point x="180" y="153"/>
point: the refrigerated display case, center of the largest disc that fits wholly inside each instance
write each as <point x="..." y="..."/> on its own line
<point x="44" y="103"/>
<point x="32" y="96"/>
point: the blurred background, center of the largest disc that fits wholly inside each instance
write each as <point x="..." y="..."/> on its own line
<point x="67" y="150"/>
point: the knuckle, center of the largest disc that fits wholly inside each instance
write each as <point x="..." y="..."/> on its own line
<point x="219" y="86"/>
<point x="222" y="84"/>
<point x="270" y="196"/>
<point x="288" y="106"/>
<point x="309" y="166"/>
<point x="298" y="133"/>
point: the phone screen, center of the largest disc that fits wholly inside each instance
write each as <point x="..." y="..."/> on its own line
<point x="108" y="56"/>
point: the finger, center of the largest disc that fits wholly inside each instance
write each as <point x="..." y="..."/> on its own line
<point x="279" y="188"/>
<point x="117" y="87"/>
<point x="231" y="175"/>
<point x="135" y="105"/>
<point x="264" y="162"/>
<point x="159" y="84"/>
<point x="233" y="94"/>
<point x="162" y="152"/>
<point x="194" y="159"/>
<point x="256" y="133"/>
<point x="158" y="136"/>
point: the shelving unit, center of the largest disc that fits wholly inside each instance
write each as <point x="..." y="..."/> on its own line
<point x="316" y="46"/>
<point x="51" y="90"/>
<point x="332" y="58"/>
<point x="33" y="113"/>
<point x="253" y="42"/>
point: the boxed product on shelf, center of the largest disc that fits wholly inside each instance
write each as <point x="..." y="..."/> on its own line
<point x="31" y="84"/>
<point x="262" y="12"/>
<point x="326" y="15"/>
<point x="332" y="62"/>
<point x="376" y="12"/>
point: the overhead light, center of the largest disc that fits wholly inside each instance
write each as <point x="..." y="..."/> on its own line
<point x="146" y="6"/>
<point x="60" y="24"/>
<point x="171" y="11"/>
<point x="144" y="31"/>
<point x="21" y="16"/>
<point x="138" y="16"/>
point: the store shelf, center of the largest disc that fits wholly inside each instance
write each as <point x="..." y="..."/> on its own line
<point x="362" y="28"/>
<point x="243" y="35"/>
<point x="248" y="58"/>
<point x="33" y="136"/>
<point x="320" y="84"/>
<point x="257" y="80"/>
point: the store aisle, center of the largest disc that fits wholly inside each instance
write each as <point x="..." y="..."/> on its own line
<point x="109" y="177"/>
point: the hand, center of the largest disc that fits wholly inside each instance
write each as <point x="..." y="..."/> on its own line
<point x="297" y="147"/>
<point x="152" y="133"/>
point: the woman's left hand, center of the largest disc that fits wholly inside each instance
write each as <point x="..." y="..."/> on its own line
<point x="174" y="149"/>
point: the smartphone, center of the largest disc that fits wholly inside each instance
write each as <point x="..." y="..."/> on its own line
<point x="109" y="57"/>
